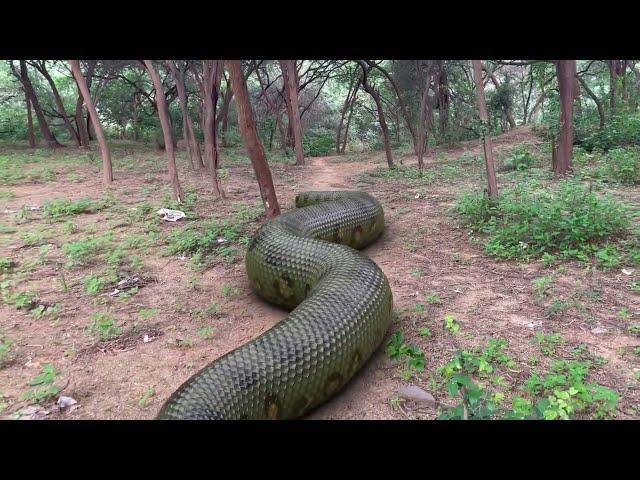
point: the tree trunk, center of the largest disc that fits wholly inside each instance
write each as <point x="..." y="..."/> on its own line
<point x="346" y="128"/>
<point x="212" y="75"/>
<point x="423" y="127"/>
<point x="163" y="114"/>
<point x="42" y="68"/>
<point x="345" y="108"/>
<point x="492" y="183"/>
<point x="42" y="121"/>
<point x="32" y="137"/>
<point x="565" y="71"/>
<point x="613" y="81"/>
<point x="107" y="172"/>
<point x="403" y="106"/>
<point x="251" y="140"/>
<point x="290" y="79"/>
<point x="595" y="99"/>
<point x="193" y="147"/>
<point x="383" y="123"/>
<point x="224" y="115"/>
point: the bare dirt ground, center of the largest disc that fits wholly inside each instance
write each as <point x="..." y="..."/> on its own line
<point x="423" y="252"/>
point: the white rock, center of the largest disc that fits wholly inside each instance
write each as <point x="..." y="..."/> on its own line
<point x="416" y="394"/>
<point x="66" y="402"/>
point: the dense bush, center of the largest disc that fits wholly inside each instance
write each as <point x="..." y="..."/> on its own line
<point x="623" y="165"/>
<point x="528" y="221"/>
<point x="318" y="142"/>
<point x="619" y="131"/>
<point x="519" y="159"/>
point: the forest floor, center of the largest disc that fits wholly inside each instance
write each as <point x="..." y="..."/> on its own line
<point x="120" y="356"/>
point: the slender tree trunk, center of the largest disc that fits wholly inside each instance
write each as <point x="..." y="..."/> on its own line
<point x="59" y="104"/>
<point x="107" y="172"/>
<point x="32" y="137"/>
<point x="212" y="74"/>
<point x="163" y="113"/>
<point x="492" y="183"/>
<point x="565" y="71"/>
<point x="402" y="104"/>
<point x="345" y="108"/>
<point x="42" y="121"/>
<point x="595" y="99"/>
<point x="423" y="126"/>
<point x="289" y="77"/>
<point x="193" y="147"/>
<point x="79" y="117"/>
<point x="223" y="118"/>
<point x="251" y="140"/>
<point x="383" y="123"/>
<point x="346" y="128"/>
<point x="613" y="82"/>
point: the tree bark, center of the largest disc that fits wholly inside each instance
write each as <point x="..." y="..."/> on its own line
<point x="32" y="137"/>
<point x="565" y="71"/>
<point x="193" y="147"/>
<point x="47" y="134"/>
<point x="613" y="81"/>
<point x="251" y="140"/>
<point x="107" y="171"/>
<point x="351" y="94"/>
<point x="402" y="104"/>
<point x="223" y="118"/>
<point x="42" y="68"/>
<point x="346" y="128"/>
<point x="290" y="78"/>
<point x="383" y="123"/>
<point x="492" y="183"/>
<point x="595" y="99"/>
<point x="212" y="75"/>
<point x="79" y="117"/>
<point x="423" y="126"/>
<point x="163" y="114"/>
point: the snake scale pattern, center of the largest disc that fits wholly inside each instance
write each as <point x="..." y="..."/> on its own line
<point x="341" y="305"/>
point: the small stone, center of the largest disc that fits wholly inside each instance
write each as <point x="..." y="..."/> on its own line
<point x="66" y="402"/>
<point x="146" y="339"/>
<point x="416" y="394"/>
<point x="598" y="330"/>
<point x="627" y="272"/>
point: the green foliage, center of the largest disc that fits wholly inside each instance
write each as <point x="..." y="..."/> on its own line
<point x="6" y="264"/>
<point x="567" y="392"/>
<point x="548" y="342"/>
<point x="205" y="333"/>
<point x="146" y="397"/>
<point x="450" y="323"/>
<point x="93" y="285"/>
<point x="45" y="388"/>
<point x="82" y="251"/>
<point x="623" y="165"/>
<point x="619" y="131"/>
<point x="397" y="350"/>
<point x="104" y="326"/>
<point x="62" y="207"/>
<point x="520" y="159"/>
<point x="5" y="350"/>
<point x="527" y="221"/>
<point x="318" y="142"/>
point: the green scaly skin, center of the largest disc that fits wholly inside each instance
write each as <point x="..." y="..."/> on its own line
<point x="302" y="260"/>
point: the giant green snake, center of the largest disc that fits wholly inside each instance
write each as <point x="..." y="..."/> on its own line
<point x="342" y="306"/>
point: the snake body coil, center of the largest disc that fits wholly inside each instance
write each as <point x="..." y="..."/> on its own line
<point x="342" y="308"/>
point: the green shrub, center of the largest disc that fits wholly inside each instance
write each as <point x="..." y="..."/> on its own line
<point x="527" y="221"/>
<point x="318" y="142"/>
<point x="62" y="207"/>
<point x="623" y="165"/>
<point x="520" y="159"/>
<point x="619" y="131"/>
<point x="104" y="326"/>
